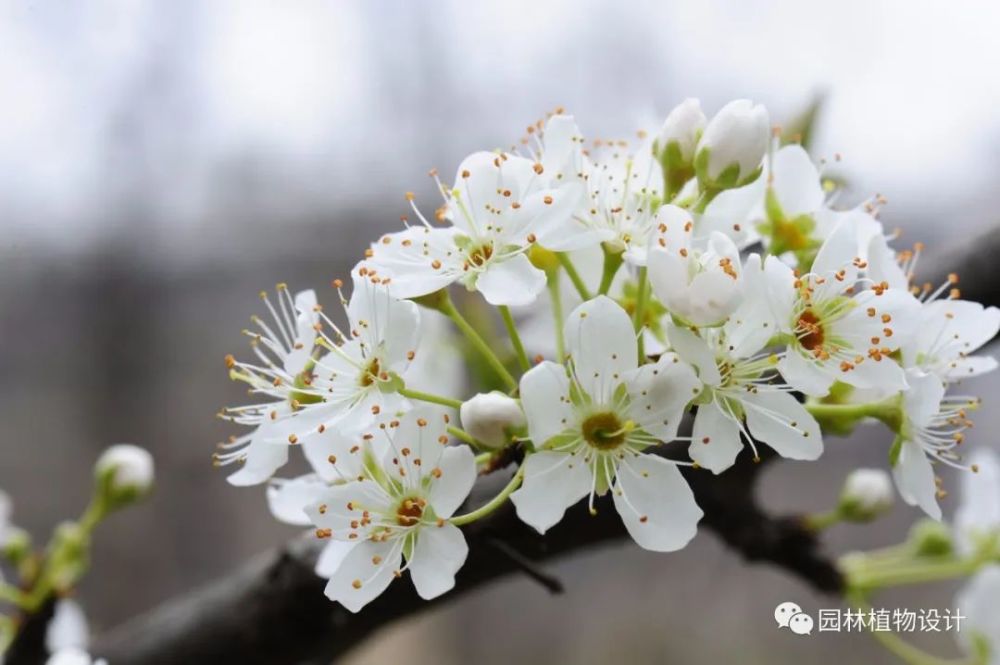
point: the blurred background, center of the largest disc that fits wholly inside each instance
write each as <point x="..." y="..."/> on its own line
<point x="162" y="162"/>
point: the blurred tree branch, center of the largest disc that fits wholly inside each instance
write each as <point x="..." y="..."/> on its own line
<point x="274" y="611"/>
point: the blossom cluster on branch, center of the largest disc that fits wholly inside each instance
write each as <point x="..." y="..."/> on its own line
<point x="709" y="268"/>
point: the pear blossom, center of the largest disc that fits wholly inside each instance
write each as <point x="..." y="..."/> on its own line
<point x="835" y="331"/>
<point x="733" y="144"/>
<point x="618" y="207"/>
<point x="594" y="424"/>
<point x="948" y="333"/>
<point x="932" y="427"/>
<point x="741" y="398"/>
<point x="981" y="628"/>
<point x="350" y="386"/>
<point x="68" y="628"/>
<point x="490" y="417"/>
<point x="498" y="206"/>
<point x="700" y="284"/>
<point x="398" y="510"/>
<point x="797" y="216"/>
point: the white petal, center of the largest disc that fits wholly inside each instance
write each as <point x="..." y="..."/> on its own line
<point x="458" y="473"/>
<point x="777" y="419"/>
<point x="655" y="503"/>
<point x="365" y="572"/>
<point x="914" y="478"/>
<point x="922" y="400"/>
<point x="333" y="554"/>
<point x="512" y="281"/>
<point x="804" y="374"/>
<point x="546" y="403"/>
<point x="753" y="323"/>
<point x="780" y="280"/>
<point x="977" y="600"/>
<point x="695" y="351"/>
<point x="978" y="512"/>
<point x="419" y="260"/>
<point x="602" y="343"/>
<point x="333" y="456"/>
<point x="732" y="211"/>
<point x="68" y="628"/>
<point x="659" y="393"/>
<point x="552" y="483"/>
<point x="338" y="507"/>
<point x="437" y="556"/>
<point x="796" y="181"/>
<point x="383" y="322"/>
<point x="715" y="439"/>
<point x="714" y="295"/>
<point x="837" y="253"/>
<point x="262" y="460"/>
<point x="288" y="499"/>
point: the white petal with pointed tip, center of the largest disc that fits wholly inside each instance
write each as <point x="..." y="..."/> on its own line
<point x="715" y="439"/>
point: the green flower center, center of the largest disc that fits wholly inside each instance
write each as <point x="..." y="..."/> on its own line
<point x="604" y="431"/>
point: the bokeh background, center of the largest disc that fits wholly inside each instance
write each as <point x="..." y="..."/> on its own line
<point x="162" y="162"/>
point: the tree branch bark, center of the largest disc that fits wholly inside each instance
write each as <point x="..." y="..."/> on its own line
<point x="274" y="609"/>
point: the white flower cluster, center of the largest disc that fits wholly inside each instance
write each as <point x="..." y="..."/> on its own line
<point x="711" y="274"/>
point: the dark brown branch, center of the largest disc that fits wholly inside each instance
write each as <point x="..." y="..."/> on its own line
<point x="274" y="610"/>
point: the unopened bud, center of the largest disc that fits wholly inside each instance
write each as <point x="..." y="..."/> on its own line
<point x="931" y="538"/>
<point x="492" y="418"/>
<point x="867" y="494"/>
<point x="676" y="144"/>
<point x="733" y="145"/>
<point x="124" y="474"/>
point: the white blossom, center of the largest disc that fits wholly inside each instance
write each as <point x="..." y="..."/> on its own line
<point x="349" y="387"/>
<point x="498" y="206"/>
<point x="933" y="427"/>
<point x="397" y="511"/>
<point x="696" y="279"/>
<point x="837" y="330"/>
<point x="741" y="399"/>
<point x="594" y="426"/>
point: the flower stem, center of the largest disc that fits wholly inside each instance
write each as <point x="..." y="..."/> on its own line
<point x="612" y="261"/>
<point x="555" y="295"/>
<point x="13" y="595"/>
<point x="515" y="338"/>
<point x="820" y="521"/>
<point x="494" y="503"/>
<point x="574" y="276"/>
<point x="428" y="397"/>
<point x="447" y="307"/>
<point x="640" y="310"/>
<point x="914" y="572"/>
<point x="464" y="436"/>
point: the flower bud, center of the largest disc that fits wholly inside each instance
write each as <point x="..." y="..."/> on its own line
<point x="124" y="474"/>
<point x="931" y="538"/>
<point x="676" y="143"/>
<point x="867" y="494"/>
<point x="732" y="147"/>
<point x="491" y="418"/>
